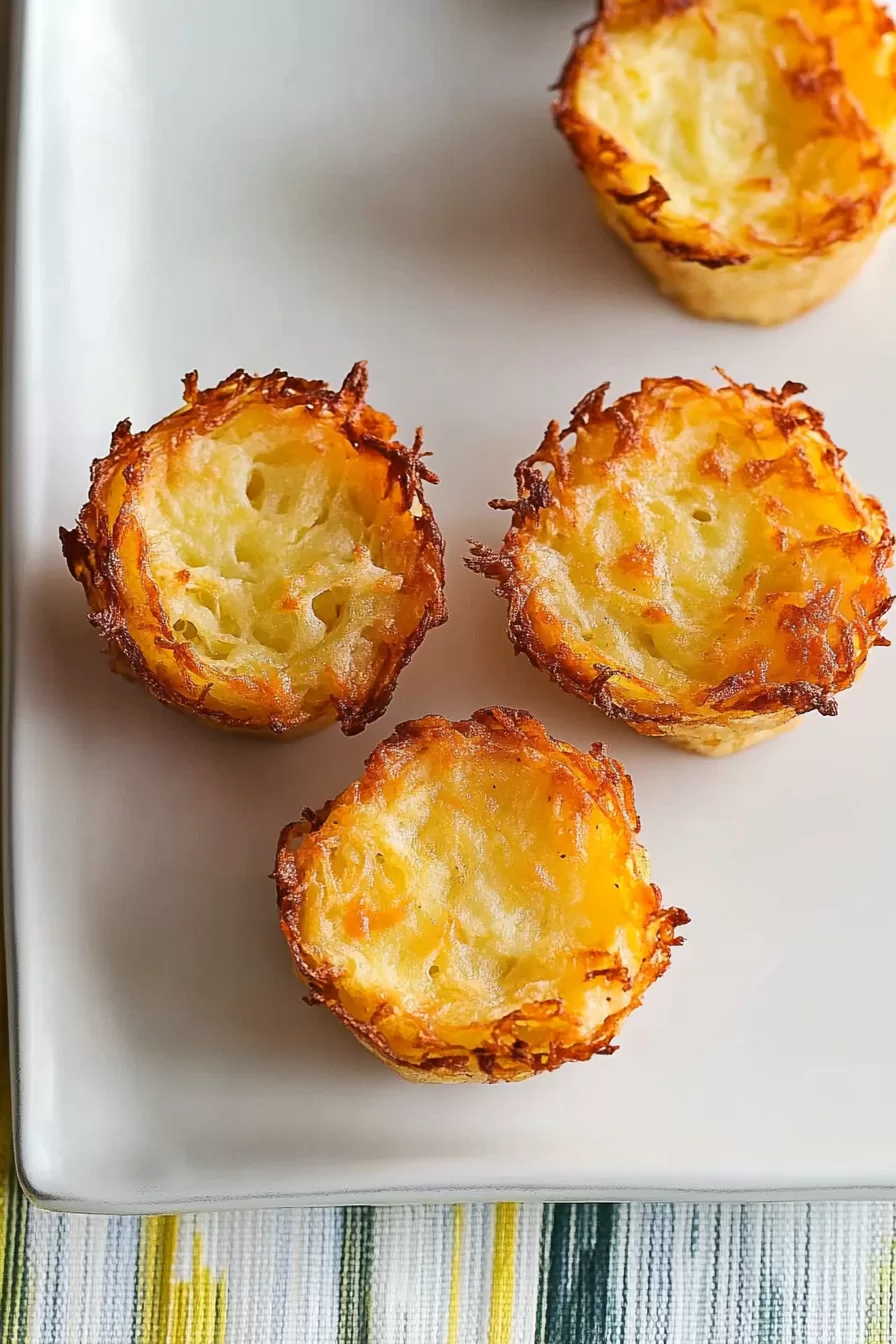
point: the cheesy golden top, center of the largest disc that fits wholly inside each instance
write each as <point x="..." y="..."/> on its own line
<point x="694" y="550"/>
<point x="481" y="883"/>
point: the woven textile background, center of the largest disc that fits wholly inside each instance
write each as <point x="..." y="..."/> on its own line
<point x="562" y="1275"/>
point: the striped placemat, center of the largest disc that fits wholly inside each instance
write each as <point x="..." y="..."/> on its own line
<point x="468" y="1274"/>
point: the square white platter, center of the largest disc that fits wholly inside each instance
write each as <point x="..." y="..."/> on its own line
<point x="300" y="184"/>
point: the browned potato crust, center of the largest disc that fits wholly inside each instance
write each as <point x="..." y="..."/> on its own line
<point x="476" y="908"/>
<point x="264" y="557"/>
<point x="743" y="149"/>
<point x="696" y="563"/>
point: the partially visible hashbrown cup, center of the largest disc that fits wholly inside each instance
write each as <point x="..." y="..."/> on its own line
<point x="477" y="907"/>
<point x="263" y="558"/>
<point x="696" y="562"/>
<point x="743" y="151"/>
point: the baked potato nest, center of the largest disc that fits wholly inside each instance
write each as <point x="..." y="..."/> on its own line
<point x="696" y="563"/>
<point x="476" y="908"/>
<point x="264" y="557"/>
<point x="744" y="149"/>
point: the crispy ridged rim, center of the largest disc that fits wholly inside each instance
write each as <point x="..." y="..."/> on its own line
<point x="508" y="1057"/>
<point x="614" y="690"/>
<point x="90" y="548"/>
<point x="611" y="169"/>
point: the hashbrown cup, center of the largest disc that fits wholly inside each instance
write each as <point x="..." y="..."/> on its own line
<point x="696" y="563"/>
<point x="477" y="906"/>
<point x="744" y="153"/>
<point x="263" y="558"/>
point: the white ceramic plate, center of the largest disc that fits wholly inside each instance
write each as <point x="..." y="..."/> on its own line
<point x="302" y="184"/>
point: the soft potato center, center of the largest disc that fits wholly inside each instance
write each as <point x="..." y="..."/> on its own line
<point x="700" y="99"/>
<point x="276" y="548"/>
<point x="476" y="884"/>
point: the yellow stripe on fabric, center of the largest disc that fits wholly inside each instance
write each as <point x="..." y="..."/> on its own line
<point x="180" y="1312"/>
<point x="206" y="1298"/>
<point x="176" y="1311"/>
<point x="457" y="1238"/>
<point x="220" y="1309"/>
<point x="155" y="1263"/>
<point x="881" y="1311"/>
<point x="500" y="1319"/>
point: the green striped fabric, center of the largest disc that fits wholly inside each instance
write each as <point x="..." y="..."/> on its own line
<point x="468" y="1274"/>
<point x="562" y="1274"/>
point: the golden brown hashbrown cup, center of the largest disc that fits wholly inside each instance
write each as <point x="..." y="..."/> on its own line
<point x="696" y="562"/>
<point x="742" y="149"/>
<point x="264" y="557"/>
<point x="477" y="907"/>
